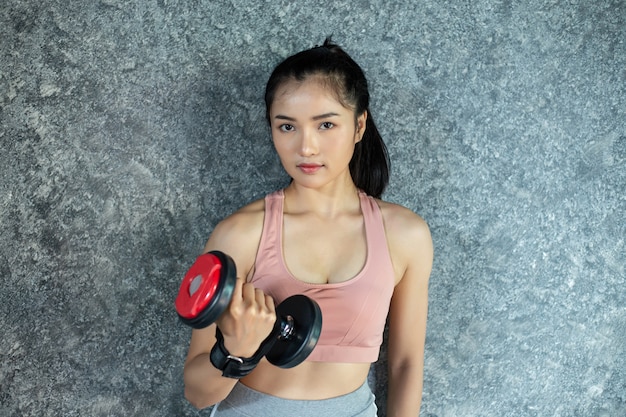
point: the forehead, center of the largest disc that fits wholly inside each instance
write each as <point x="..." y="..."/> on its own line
<point x="313" y="92"/>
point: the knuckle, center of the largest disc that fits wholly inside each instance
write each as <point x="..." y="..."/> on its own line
<point x="235" y="310"/>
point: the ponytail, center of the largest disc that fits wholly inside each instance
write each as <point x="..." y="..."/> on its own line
<point x="369" y="166"/>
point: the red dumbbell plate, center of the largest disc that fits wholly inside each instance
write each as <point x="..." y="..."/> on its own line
<point x="206" y="289"/>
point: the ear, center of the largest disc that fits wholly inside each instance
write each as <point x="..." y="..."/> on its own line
<point x="361" y="122"/>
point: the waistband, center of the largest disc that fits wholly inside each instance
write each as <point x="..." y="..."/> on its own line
<point x="246" y="402"/>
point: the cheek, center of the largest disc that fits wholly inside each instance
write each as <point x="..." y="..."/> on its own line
<point x="344" y="142"/>
<point x="281" y="147"/>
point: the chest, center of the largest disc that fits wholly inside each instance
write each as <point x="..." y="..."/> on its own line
<point x="322" y="251"/>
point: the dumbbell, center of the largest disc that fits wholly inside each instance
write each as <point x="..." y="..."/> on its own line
<point x="207" y="290"/>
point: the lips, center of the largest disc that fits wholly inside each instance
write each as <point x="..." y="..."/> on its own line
<point x="308" y="168"/>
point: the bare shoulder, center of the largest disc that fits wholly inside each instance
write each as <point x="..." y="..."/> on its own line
<point x="403" y="225"/>
<point x="239" y="234"/>
<point x="243" y="220"/>
<point x="409" y="240"/>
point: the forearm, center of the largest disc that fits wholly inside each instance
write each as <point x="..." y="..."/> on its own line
<point x="250" y="317"/>
<point x="204" y="384"/>
<point x="405" y="392"/>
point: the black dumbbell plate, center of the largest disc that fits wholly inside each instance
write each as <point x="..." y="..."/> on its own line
<point x="307" y="317"/>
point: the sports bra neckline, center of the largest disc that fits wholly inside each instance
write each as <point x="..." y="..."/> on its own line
<point x="281" y="256"/>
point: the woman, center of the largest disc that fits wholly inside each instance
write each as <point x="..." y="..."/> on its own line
<point x="326" y="235"/>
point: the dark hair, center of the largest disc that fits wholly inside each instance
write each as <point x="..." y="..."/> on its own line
<point x="369" y="166"/>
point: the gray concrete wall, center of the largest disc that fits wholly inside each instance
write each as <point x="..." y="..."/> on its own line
<point x="129" y="128"/>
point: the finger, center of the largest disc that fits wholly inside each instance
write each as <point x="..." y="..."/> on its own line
<point x="265" y="301"/>
<point x="259" y="295"/>
<point x="269" y="303"/>
<point x="249" y="292"/>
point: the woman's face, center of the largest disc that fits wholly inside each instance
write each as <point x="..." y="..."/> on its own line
<point x="313" y="133"/>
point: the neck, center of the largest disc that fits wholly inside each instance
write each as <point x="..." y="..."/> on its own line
<point x="328" y="202"/>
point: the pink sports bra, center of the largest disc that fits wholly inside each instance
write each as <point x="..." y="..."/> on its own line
<point x="354" y="311"/>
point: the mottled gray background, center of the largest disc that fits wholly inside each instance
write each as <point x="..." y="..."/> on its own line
<point x="129" y="128"/>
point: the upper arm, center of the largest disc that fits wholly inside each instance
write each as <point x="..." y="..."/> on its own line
<point x="238" y="236"/>
<point x="413" y="248"/>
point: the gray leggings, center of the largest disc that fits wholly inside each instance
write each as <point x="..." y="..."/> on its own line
<point x="244" y="401"/>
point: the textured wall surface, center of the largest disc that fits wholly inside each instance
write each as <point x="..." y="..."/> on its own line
<point x="129" y="128"/>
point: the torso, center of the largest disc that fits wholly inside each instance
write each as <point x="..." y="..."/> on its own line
<point x="309" y="380"/>
<point x="310" y="258"/>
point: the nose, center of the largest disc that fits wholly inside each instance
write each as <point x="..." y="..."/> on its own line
<point x="308" y="143"/>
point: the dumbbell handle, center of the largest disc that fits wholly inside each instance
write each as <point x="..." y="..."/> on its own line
<point x="287" y="328"/>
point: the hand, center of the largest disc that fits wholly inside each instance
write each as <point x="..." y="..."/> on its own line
<point x="248" y="320"/>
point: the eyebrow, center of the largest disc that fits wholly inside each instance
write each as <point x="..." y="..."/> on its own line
<point x="318" y="117"/>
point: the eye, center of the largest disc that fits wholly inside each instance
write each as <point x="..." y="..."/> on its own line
<point x="286" y="127"/>
<point x="326" y="125"/>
